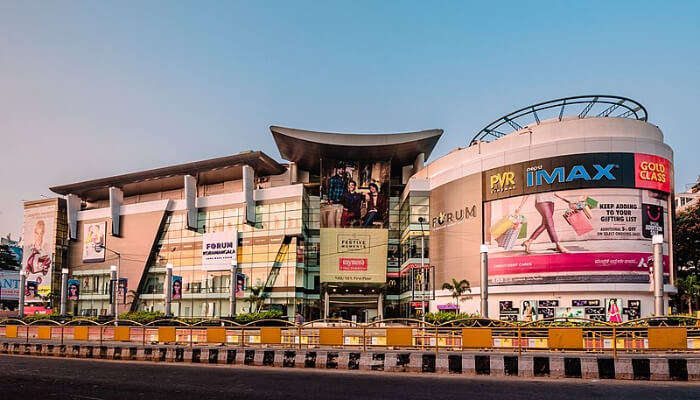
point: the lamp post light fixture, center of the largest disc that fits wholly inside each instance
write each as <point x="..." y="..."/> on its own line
<point x="658" y="243"/>
<point x="168" y="289"/>
<point x="22" y="288"/>
<point x="484" y="284"/>
<point x="113" y="284"/>
<point x="64" y="289"/>
<point x="424" y="283"/>
<point x="233" y="288"/>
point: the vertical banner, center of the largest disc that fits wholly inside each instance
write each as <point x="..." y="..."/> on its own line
<point x="73" y="289"/>
<point x="176" y="288"/>
<point x="39" y="238"/>
<point x="219" y="250"/>
<point x="94" y="242"/>
<point x="240" y="285"/>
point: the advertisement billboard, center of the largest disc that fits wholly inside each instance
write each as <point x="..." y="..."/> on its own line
<point x="219" y="250"/>
<point x="578" y="171"/>
<point x="94" y="242"/>
<point x="9" y="285"/>
<point x="73" y="289"/>
<point x="353" y="255"/>
<point x="39" y="238"/>
<point x="176" y="287"/>
<point x="355" y="194"/>
<point x="584" y="235"/>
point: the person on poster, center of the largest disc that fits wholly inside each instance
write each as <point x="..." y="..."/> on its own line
<point x="177" y="288"/>
<point x="31" y="291"/>
<point x="376" y="206"/>
<point x="352" y="204"/>
<point x="73" y="289"/>
<point x="121" y="289"/>
<point x="528" y="311"/>
<point x="544" y="204"/>
<point x="240" y="285"/>
<point x="38" y="261"/>
<point x="614" y="312"/>
<point x="337" y="184"/>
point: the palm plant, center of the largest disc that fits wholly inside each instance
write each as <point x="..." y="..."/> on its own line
<point x="458" y="289"/>
<point x="689" y="290"/>
<point x="255" y="298"/>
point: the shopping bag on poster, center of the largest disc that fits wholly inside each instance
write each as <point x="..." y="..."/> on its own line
<point x="579" y="221"/>
<point x="501" y="227"/>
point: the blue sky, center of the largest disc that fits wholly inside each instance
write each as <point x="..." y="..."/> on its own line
<point x="91" y="89"/>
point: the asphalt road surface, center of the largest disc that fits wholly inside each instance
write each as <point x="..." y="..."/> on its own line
<point x="26" y="377"/>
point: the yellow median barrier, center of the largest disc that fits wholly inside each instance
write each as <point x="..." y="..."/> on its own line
<point x="330" y="336"/>
<point x="216" y="335"/>
<point x="399" y="337"/>
<point x="477" y="338"/>
<point x="166" y="334"/>
<point x="80" y="333"/>
<point x="44" y="333"/>
<point x="565" y="338"/>
<point x="270" y="335"/>
<point x="11" y="331"/>
<point x="122" y="333"/>
<point x="668" y="338"/>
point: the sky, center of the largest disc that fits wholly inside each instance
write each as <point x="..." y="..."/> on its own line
<point x="94" y="89"/>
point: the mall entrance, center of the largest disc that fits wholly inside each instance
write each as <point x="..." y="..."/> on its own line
<point x="359" y="304"/>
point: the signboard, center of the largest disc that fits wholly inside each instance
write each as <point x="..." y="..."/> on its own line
<point x="176" y="287"/>
<point x="73" y="289"/>
<point x="354" y="255"/>
<point x="9" y="285"/>
<point x="455" y="229"/>
<point x="39" y="238"/>
<point x="585" y="235"/>
<point x="94" y="242"/>
<point x="578" y="171"/>
<point x="219" y="250"/>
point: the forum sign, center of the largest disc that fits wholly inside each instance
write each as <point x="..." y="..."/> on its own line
<point x="219" y="249"/>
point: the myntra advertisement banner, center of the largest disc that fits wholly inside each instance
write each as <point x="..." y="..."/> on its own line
<point x="354" y="255"/>
<point x="578" y="171"/>
<point x="585" y="235"/>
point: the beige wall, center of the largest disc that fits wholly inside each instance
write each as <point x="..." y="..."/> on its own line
<point x="139" y="232"/>
<point x="455" y="230"/>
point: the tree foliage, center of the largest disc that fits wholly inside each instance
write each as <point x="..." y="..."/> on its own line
<point x="7" y="258"/>
<point x="686" y="256"/>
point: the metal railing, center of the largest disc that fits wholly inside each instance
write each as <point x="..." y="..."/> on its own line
<point x="678" y="334"/>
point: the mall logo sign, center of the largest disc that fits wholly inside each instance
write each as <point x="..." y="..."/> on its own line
<point x="353" y="243"/>
<point x="537" y="176"/>
<point x="502" y="182"/>
<point x="447" y="219"/>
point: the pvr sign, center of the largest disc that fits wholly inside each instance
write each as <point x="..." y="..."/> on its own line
<point x="652" y="172"/>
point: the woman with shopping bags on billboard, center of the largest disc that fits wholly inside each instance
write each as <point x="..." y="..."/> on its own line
<point x="544" y="204"/>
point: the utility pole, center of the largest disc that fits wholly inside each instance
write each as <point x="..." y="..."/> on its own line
<point x="64" y="289"/>
<point x="22" y="288"/>
<point x="484" y="284"/>
<point x="114" y="285"/>
<point x="233" y="288"/>
<point x="168" y="289"/>
<point x="658" y="243"/>
<point x="424" y="283"/>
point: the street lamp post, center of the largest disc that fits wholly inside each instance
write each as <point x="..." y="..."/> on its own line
<point x="64" y="288"/>
<point x="22" y="288"/>
<point x="423" y="285"/>
<point x="233" y="288"/>
<point x="113" y="281"/>
<point x="168" y="289"/>
<point x="484" y="284"/>
<point x="657" y="243"/>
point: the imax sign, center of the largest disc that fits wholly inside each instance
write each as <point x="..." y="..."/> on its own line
<point x="538" y="176"/>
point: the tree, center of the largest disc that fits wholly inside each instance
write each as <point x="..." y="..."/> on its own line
<point x="457" y="289"/>
<point x="686" y="256"/>
<point x="255" y="298"/>
<point x="8" y="260"/>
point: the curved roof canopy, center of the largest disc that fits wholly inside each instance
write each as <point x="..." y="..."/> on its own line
<point x="214" y="170"/>
<point x="306" y="148"/>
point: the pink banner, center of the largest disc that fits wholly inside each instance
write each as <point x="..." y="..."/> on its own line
<point x="578" y="262"/>
<point x="352" y="264"/>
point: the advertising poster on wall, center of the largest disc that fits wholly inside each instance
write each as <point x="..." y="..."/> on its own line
<point x="528" y="310"/>
<point x="73" y="289"/>
<point x="9" y="285"/>
<point x="39" y="238"/>
<point x="94" y="242"/>
<point x="176" y="287"/>
<point x="353" y="255"/>
<point x="355" y="194"/>
<point x="613" y="310"/>
<point x="240" y="285"/>
<point x="584" y="235"/>
<point x="219" y="250"/>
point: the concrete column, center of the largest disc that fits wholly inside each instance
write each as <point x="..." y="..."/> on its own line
<point x="418" y="162"/>
<point x="326" y="305"/>
<point x="556" y="367"/>
<point x="293" y="173"/>
<point x="233" y="287"/>
<point x="113" y="285"/>
<point x="658" y="367"/>
<point x="484" y="284"/>
<point x="623" y="368"/>
<point x="497" y="365"/>
<point x="248" y="189"/>
<point x="380" y="306"/>
<point x="589" y="368"/>
<point x="190" y="183"/>
<point x="168" y="289"/>
<point x="72" y="208"/>
<point x="64" y="289"/>
<point x="468" y="364"/>
<point x="116" y="198"/>
<point x="658" y="243"/>
<point x="22" y="288"/>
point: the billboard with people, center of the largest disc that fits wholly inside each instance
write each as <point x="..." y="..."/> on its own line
<point x="584" y="235"/>
<point x="355" y="194"/>
<point x="39" y="244"/>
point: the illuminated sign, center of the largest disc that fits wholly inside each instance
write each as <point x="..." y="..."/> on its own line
<point x="652" y="172"/>
<point x="537" y="176"/>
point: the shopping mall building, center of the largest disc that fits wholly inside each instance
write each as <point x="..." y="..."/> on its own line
<point x="566" y="196"/>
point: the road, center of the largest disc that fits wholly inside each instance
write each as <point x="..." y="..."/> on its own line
<point x="28" y="377"/>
